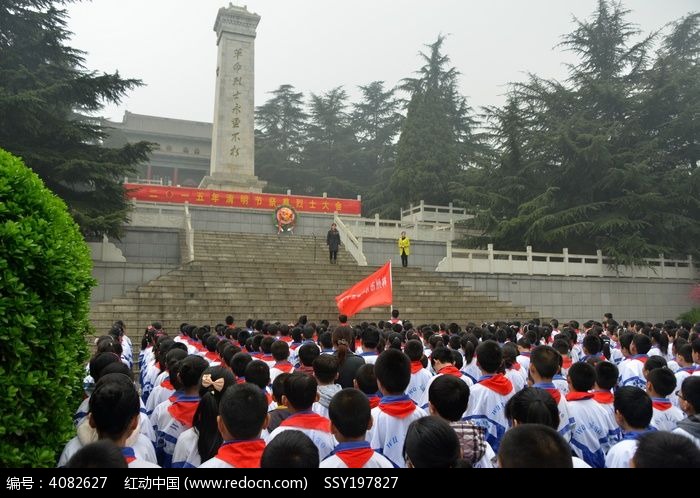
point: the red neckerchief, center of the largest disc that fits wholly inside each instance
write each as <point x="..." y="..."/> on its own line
<point x="307" y="420"/>
<point x="129" y="454"/>
<point x="515" y="366"/>
<point x="374" y="401"/>
<point x="183" y="411"/>
<point x="242" y="454"/>
<point x="498" y="383"/>
<point x="567" y="362"/>
<point x="416" y="366"/>
<point x="166" y="384"/>
<point x="267" y="357"/>
<point x="306" y="370"/>
<point x="397" y="406"/>
<point x="354" y="455"/>
<point x="450" y="370"/>
<point x="212" y="356"/>
<point x="284" y="366"/>
<point x="268" y="396"/>
<point x="640" y="357"/>
<point x="578" y="396"/>
<point x="661" y="404"/>
<point x="604" y="397"/>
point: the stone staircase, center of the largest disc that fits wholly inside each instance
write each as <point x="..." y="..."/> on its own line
<point x="280" y="278"/>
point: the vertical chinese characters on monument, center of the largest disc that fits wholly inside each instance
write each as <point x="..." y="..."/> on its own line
<point x="236" y="108"/>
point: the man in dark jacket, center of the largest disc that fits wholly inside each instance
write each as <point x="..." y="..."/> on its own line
<point x="333" y="241"/>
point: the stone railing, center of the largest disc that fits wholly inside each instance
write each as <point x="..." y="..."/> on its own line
<point x="189" y="234"/>
<point x="391" y="229"/>
<point x="434" y="214"/>
<point x="563" y="264"/>
<point x="352" y="243"/>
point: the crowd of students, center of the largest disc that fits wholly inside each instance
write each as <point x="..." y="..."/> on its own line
<point x="391" y="394"/>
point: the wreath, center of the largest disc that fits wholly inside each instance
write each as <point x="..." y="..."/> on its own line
<point x="285" y="219"/>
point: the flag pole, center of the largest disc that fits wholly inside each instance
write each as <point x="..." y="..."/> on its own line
<point x="391" y="280"/>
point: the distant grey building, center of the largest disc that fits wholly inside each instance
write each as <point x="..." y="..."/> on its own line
<point x="183" y="150"/>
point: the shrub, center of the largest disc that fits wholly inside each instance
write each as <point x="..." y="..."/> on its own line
<point x="692" y="316"/>
<point x="45" y="282"/>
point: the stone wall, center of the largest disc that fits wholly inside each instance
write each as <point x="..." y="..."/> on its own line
<point x="115" y="279"/>
<point x="150" y="245"/>
<point x="580" y="298"/>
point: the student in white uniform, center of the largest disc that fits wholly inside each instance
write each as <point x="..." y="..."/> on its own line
<point x="488" y="397"/>
<point x="665" y="450"/>
<point x="544" y="364"/>
<point x="448" y="399"/>
<point x="242" y="417"/>
<point x="684" y="358"/>
<point x="258" y="373"/>
<point x="114" y="414"/>
<point x="631" y="369"/>
<point x="290" y="450"/>
<point x="531" y="446"/>
<point x="606" y="374"/>
<point x="420" y="377"/>
<point x="660" y="384"/>
<point x="396" y="411"/>
<point x="280" y="352"/>
<point x="633" y="412"/>
<point x="166" y="388"/>
<point x="201" y="442"/>
<point x="590" y="437"/>
<point x="370" y="341"/>
<point x="443" y="363"/>
<point x="300" y="393"/>
<point x="350" y="420"/>
<point x="177" y="416"/>
<point x="689" y="399"/>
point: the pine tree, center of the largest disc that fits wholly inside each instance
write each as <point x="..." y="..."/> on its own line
<point x="436" y="138"/>
<point x="45" y="94"/>
<point x="279" y="140"/>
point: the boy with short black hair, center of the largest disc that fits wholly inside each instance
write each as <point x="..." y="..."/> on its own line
<point x="661" y="382"/>
<point x="631" y="369"/>
<point x="300" y="393"/>
<point x="351" y="418"/>
<point x="280" y="353"/>
<point x="591" y="432"/>
<point x="530" y="446"/>
<point x="665" y="450"/>
<point x="420" y="377"/>
<point x="489" y="396"/>
<point x="448" y="398"/>
<point x="395" y="411"/>
<point x="633" y="412"/>
<point x="242" y="417"/>
<point x="326" y="373"/>
<point x="544" y="365"/>
<point x="307" y="353"/>
<point x="366" y="382"/>
<point x="290" y="450"/>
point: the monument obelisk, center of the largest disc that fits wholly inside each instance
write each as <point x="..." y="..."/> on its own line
<point x="233" y="142"/>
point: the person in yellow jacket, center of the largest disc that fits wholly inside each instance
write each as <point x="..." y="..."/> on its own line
<point x="404" y="249"/>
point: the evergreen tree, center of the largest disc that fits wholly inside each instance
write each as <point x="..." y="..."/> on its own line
<point x="330" y="150"/>
<point x="279" y="140"/>
<point x="589" y="164"/>
<point x="45" y="90"/>
<point x="435" y="142"/>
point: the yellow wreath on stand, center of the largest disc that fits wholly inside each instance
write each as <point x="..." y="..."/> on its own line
<point x="285" y="219"/>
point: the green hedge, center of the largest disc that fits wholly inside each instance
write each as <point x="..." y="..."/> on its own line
<point x="45" y="282"/>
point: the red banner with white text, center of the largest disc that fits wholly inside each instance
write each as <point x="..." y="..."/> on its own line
<point x="241" y="200"/>
<point x="375" y="290"/>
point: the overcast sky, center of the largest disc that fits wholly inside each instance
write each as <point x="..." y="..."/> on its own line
<point x="317" y="45"/>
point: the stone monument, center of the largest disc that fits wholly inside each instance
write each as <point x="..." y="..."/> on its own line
<point x="233" y="140"/>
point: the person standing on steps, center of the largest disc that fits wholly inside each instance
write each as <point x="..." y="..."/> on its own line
<point x="333" y="241"/>
<point x="404" y="249"/>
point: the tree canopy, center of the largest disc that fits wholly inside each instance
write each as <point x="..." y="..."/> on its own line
<point x="46" y="97"/>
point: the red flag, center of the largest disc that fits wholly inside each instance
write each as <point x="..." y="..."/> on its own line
<point x="375" y="290"/>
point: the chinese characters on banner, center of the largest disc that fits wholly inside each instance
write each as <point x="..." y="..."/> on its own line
<point x="244" y="200"/>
